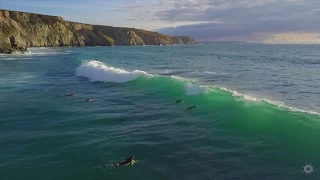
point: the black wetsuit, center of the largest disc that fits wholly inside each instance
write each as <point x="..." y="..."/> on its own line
<point x="73" y="94"/>
<point x="128" y="161"/>
<point x="189" y="108"/>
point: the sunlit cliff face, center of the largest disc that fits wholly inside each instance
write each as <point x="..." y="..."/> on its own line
<point x="205" y="20"/>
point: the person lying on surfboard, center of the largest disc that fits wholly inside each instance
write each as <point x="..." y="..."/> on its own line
<point x="192" y="107"/>
<point x="130" y="160"/>
<point x="72" y="94"/>
<point x="179" y="101"/>
<point x="90" y="100"/>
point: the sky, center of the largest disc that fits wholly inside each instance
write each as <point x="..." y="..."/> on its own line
<point x="205" y="20"/>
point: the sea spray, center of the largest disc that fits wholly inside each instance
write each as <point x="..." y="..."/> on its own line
<point x="99" y="71"/>
<point x="194" y="89"/>
<point x="232" y="134"/>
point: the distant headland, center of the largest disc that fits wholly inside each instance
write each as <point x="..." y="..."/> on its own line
<point x="21" y="30"/>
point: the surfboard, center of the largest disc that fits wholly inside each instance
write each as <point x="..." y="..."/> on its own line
<point x="134" y="161"/>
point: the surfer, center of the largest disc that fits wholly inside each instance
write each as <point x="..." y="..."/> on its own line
<point x="192" y="107"/>
<point x="129" y="160"/>
<point x="90" y="100"/>
<point x="179" y="101"/>
<point x="72" y="94"/>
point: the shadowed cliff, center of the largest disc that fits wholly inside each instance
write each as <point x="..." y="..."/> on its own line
<point x="20" y="30"/>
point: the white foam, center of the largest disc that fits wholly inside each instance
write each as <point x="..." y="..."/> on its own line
<point x="99" y="71"/>
<point x="166" y="71"/>
<point x="30" y="53"/>
<point x="194" y="89"/>
<point x="279" y="104"/>
<point x="208" y="72"/>
<point x="186" y="80"/>
<point x="178" y="78"/>
<point x="47" y="51"/>
<point x="38" y="52"/>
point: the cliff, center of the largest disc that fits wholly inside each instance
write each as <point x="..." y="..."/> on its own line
<point x="20" y="30"/>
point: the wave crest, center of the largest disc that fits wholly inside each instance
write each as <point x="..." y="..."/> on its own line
<point x="99" y="71"/>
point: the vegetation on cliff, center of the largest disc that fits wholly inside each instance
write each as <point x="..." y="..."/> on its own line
<point x="20" y="30"/>
<point x="109" y="39"/>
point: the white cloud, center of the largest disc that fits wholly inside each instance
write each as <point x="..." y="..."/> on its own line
<point x="202" y="19"/>
<point x="241" y="19"/>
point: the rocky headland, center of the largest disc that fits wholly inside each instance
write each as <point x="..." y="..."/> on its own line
<point x="21" y="30"/>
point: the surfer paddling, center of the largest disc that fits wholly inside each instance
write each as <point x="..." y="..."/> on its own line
<point x="72" y="94"/>
<point x="129" y="161"/>
<point x="179" y="101"/>
<point x="192" y="107"/>
<point x="90" y="100"/>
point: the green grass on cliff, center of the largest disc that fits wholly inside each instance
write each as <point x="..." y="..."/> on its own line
<point x="109" y="39"/>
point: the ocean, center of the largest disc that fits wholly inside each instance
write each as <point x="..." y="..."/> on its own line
<point x="257" y="114"/>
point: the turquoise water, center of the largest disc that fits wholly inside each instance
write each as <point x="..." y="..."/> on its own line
<point x="257" y="114"/>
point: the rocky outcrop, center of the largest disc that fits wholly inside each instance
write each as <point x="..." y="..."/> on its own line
<point x="20" y="30"/>
<point x="185" y="40"/>
<point x="177" y="40"/>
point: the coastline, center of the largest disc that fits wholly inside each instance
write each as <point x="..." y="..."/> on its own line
<point x="21" y="30"/>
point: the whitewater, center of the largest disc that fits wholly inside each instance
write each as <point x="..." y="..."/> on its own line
<point x="99" y="71"/>
<point x="256" y="116"/>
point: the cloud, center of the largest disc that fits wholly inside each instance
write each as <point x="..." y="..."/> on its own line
<point x="201" y="19"/>
<point x="233" y="19"/>
<point x="60" y="4"/>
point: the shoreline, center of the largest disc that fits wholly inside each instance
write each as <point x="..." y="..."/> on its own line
<point x="22" y="30"/>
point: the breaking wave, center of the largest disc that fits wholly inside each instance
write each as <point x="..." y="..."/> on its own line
<point x="99" y="71"/>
